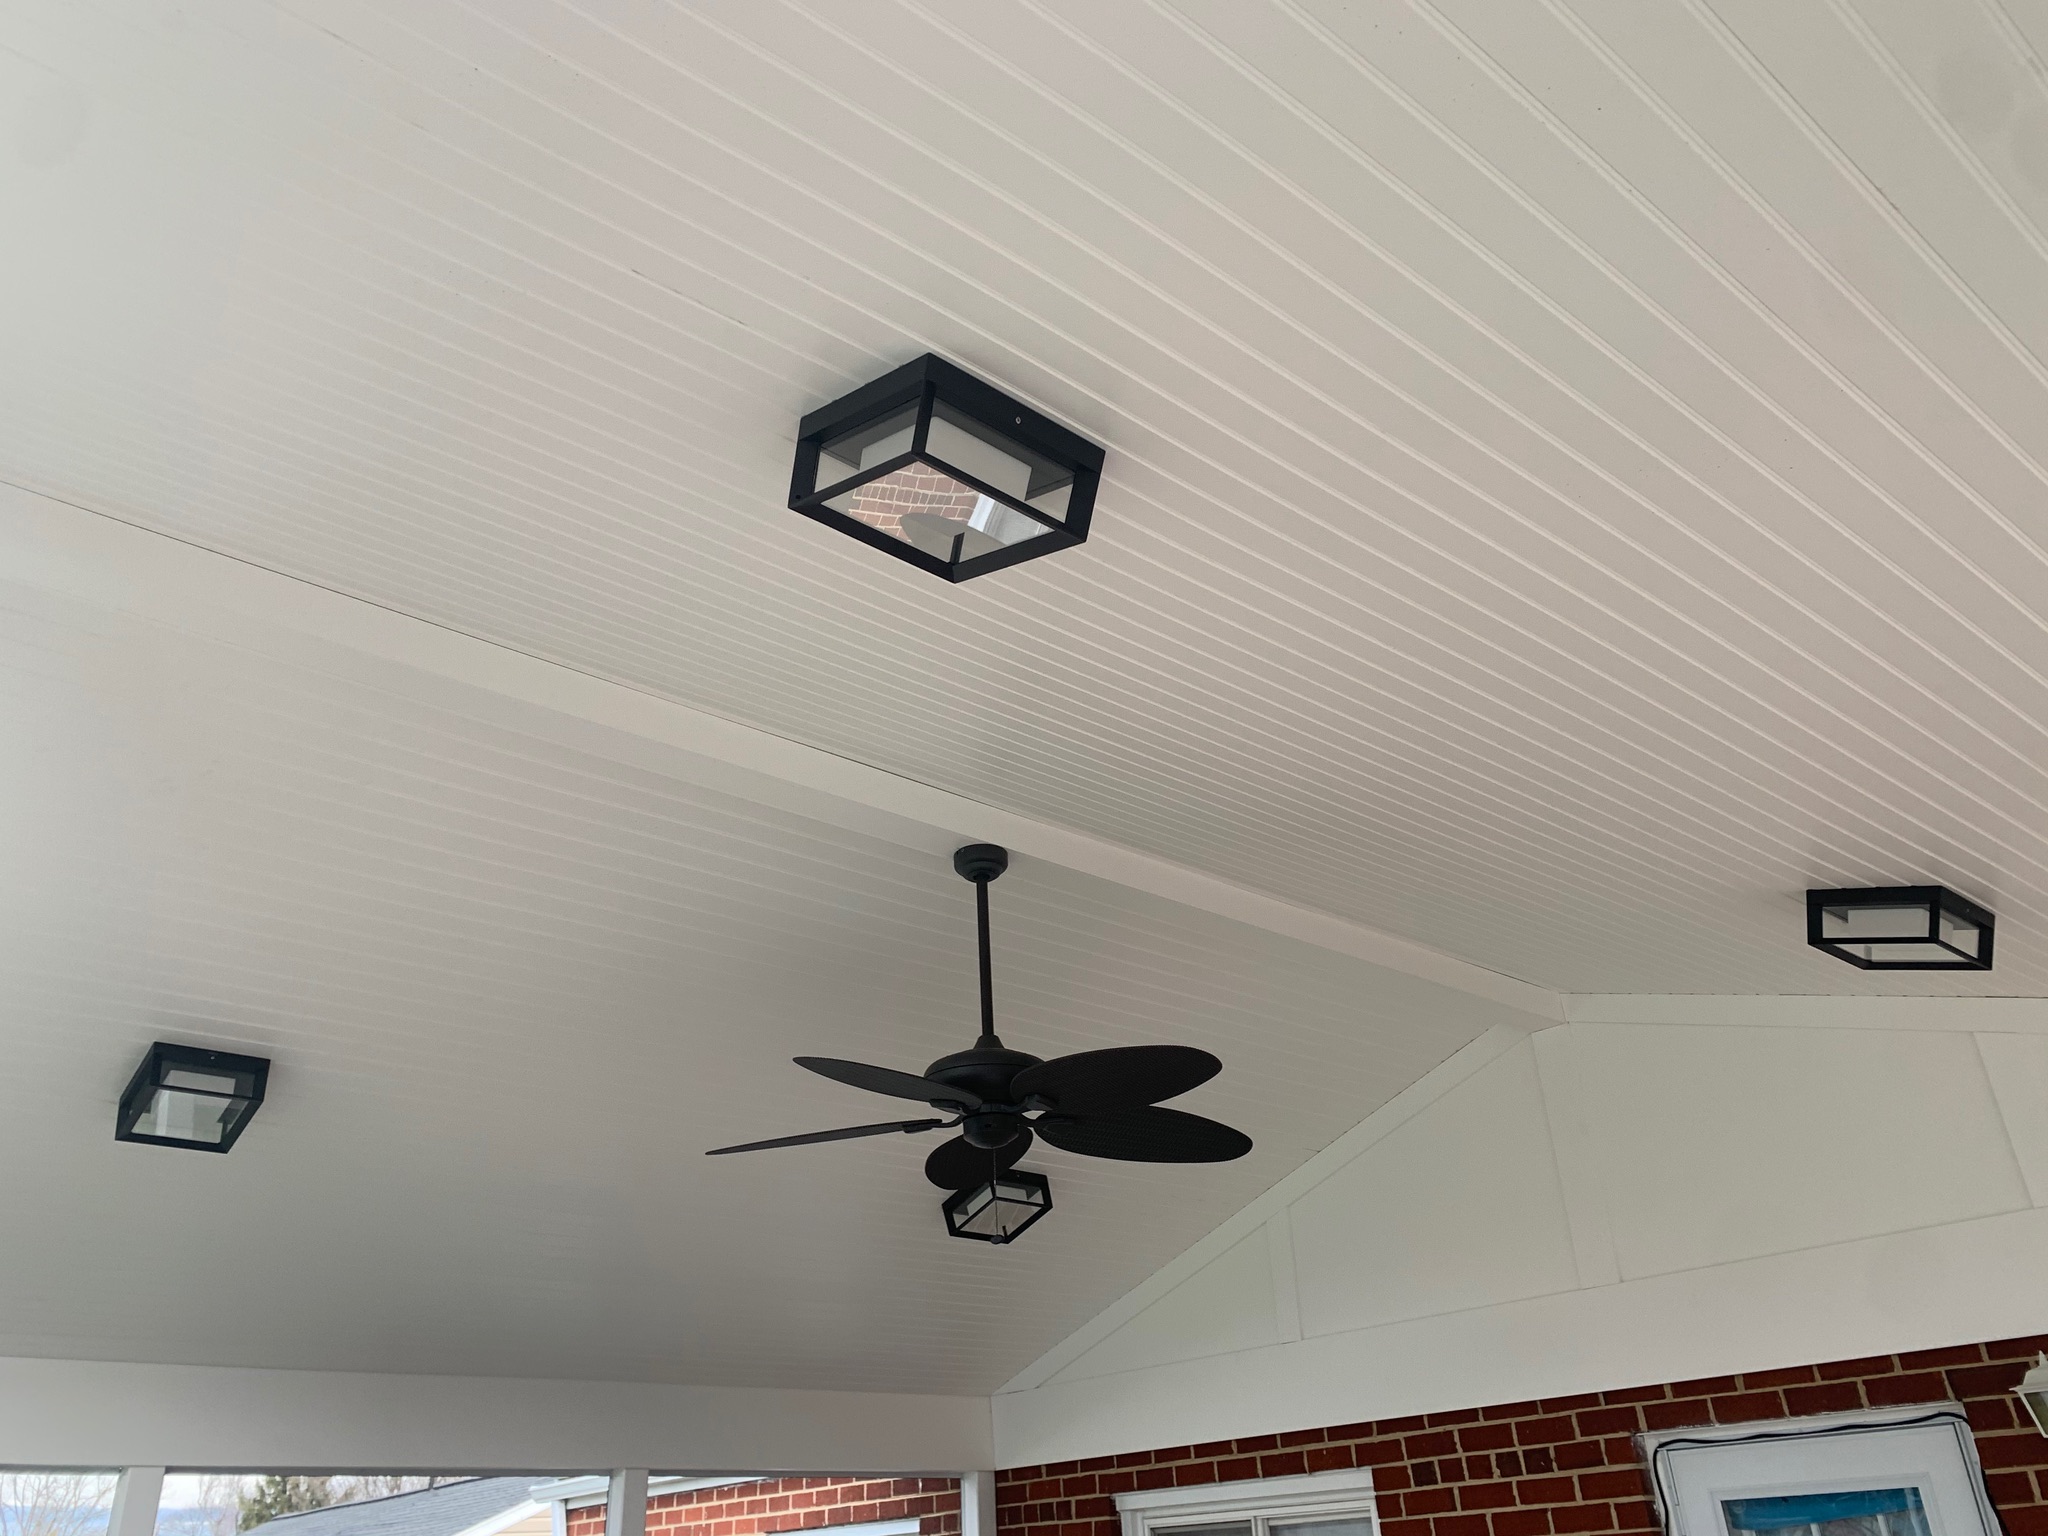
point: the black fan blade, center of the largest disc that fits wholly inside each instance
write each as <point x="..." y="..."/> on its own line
<point x="1145" y="1135"/>
<point x="902" y="1085"/>
<point x="960" y="1164"/>
<point x="846" y="1133"/>
<point x="1119" y="1078"/>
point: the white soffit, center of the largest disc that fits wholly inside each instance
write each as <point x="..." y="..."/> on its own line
<point x="1574" y="466"/>
<point x="514" y="988"/>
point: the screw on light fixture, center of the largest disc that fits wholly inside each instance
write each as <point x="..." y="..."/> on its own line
<point x="937" y="468"/>
<point x="188" y="1096"/>
<point x="1901" y="928"/>
<point x="1000" y="1208"/>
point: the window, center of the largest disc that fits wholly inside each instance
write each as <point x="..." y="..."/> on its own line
<point x="52" y="1502"/>
<point x="1323" y="1504"/>
<point x="1911" y="1472"/>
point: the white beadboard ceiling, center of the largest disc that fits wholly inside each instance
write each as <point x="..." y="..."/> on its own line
<point x="1576" y="479"/>
<point x="1576" y="468"/>
<point x="513" y="992"/>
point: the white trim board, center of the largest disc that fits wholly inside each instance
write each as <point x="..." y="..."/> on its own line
<point x="52" y="546"/>
<point x="85" y="1413"/>
<point x="1967" y="1015"/>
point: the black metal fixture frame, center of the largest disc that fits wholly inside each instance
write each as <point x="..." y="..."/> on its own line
<point x="958" y="1201"/>
<point x="163" y="1057"/>
<point x="1937" y="899"/>
<point x="927" y="383"/>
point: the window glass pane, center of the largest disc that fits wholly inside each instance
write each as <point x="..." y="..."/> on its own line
<point x="1864" y="1512"/>
<point x="55" y="1503"/>
<point x="1234" y="1528"/>
<point x="356" y="1504"/>
<point x="200" y="1503"/>
<point x="1341" y="1525"/>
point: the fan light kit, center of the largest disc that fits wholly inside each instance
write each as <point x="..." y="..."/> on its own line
<point x="186" y="1096"/>
<point x="999" y="1208"/>
<point x="1901" y="928"/>
<point x="933" y="466"/>
<point x="1096" y="1103"/>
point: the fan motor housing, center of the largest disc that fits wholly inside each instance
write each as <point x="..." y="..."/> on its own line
<point x="985" y="1071"/>
<point x="992" y="1131"/>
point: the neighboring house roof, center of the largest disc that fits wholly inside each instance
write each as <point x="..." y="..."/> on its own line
<point x="577" y="1492"/>
<point x="444" y="1511"/>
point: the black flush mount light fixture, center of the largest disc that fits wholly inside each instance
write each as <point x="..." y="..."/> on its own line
<point x="999" y="1208"/>
<point x="185" y="1096"/>
<point x="1901" y="928"/>
<point x="935" y="467"/>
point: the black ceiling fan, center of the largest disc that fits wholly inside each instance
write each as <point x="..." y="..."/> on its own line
<point x="1097" y="1103"/>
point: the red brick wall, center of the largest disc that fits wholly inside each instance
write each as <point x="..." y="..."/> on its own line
<point x="1563" y="1465"/>
<point x="792" y="1504"/>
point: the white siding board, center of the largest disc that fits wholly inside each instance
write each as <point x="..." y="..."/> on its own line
<point x="1730" y="1143"/>
<point x="1457" y="1208"/>
<point x="1227" y="1305"/>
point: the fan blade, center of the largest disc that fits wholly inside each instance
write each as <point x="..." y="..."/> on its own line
<point x="1145" y="1135"/>
<point x="960" y="1164"/>
<point x="846" y="1133"/>
<point x="902" y="1085"/>
<point x="1118" y="1078"/>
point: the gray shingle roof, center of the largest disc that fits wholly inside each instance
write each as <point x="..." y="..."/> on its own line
<point x="439" y="1511"/>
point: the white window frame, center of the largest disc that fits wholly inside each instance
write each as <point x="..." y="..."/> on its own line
<point x="1930" y="1448"/>
<point x="1318" y="1496"/>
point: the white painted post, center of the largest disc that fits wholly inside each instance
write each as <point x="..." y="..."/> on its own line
<point x="137" y="1493"/>
<point x="625" y="1506"/>
<point x="977" y="1504"/>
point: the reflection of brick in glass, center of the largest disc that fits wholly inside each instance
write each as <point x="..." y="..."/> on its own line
<point x="914" y="488"/>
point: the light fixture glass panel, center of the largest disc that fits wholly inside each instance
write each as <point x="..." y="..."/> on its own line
<point x="1967" y="937"/>
<point x="187" y="1116"/>
<point x="983" y="1214"/>
<point x="866" y="446"/>
<point x="202" y="1082"/>
<point x="929" y="509"/>
<point x="1894" y="953"/>
<point x="985" y="453"/>
<point x="1848" y="924"/>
